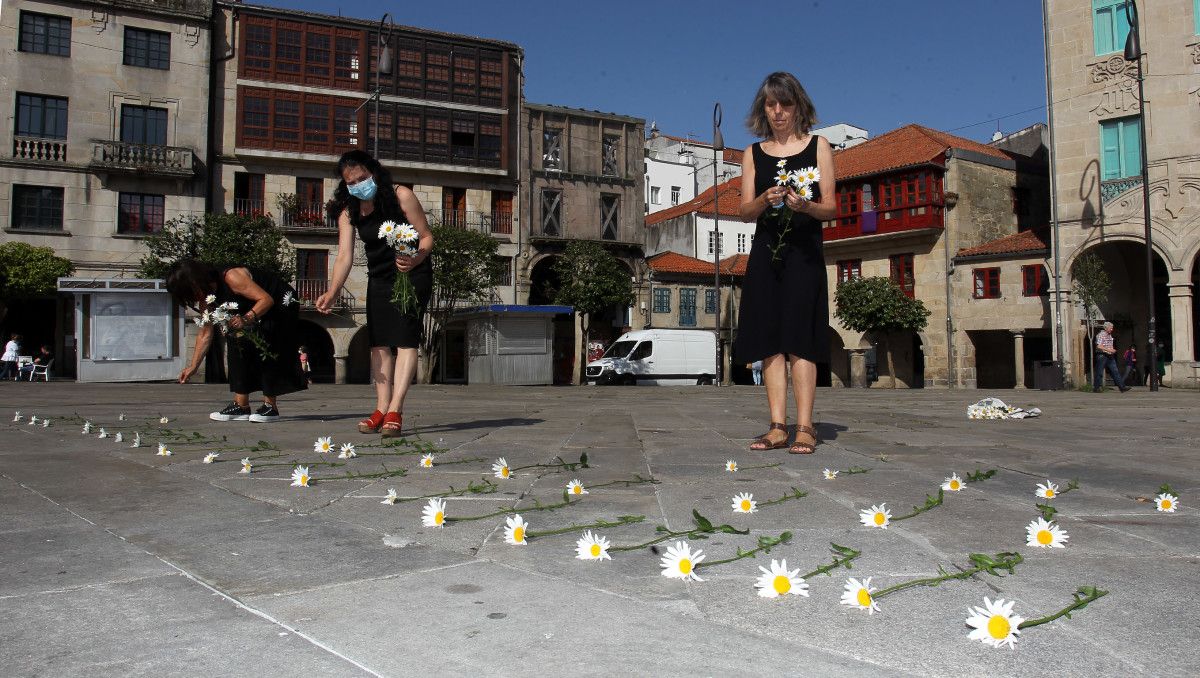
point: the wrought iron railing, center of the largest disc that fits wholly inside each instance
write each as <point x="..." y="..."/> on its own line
<point x="309" y="216"/>
<point x="143" y="158"/>
<point x="37" y="149"/>
<point x="308" y="289"/>
<point x="495" y="223"/>
<point x="1109" y="190"/>
<point x="247" y="207"/>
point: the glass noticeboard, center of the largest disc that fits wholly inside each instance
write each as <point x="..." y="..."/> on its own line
<point x="131" y="326"/>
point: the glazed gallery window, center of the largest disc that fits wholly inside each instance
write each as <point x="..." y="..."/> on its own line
<point x="41" y="116"/>
<point x="987" y="283"/>
<point x="289" y="51"/>
<point x="662" y="300"/>
<point x="1034" y="282"/>
<point x="1120" y="148"/>
<point x="1110" y="26"/>
<point x="901" y="266"/>
<point x="710" y="301"/>
<point x="140" y="213"/>
<point x="687" y="307"/>
<point x="849" y="269"/>
<point x="148" y="49"/>
<point x="552" y="213"/>
<point x="143" y="125"/>
<point x="37" y="207"/>
<point x="45" y="34"/>
<point x="552" y="149"/>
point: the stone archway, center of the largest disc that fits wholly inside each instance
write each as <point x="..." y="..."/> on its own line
<point x="358" y="360"/>
<point x="838" y="371"/>
<point x="319" y="346"/>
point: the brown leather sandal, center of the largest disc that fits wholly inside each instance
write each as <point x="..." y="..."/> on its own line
<point x="372" y="423"/>
<point x="392" y="424"/>
<point x="804" y="448"/>
<point x="765" y="443"/>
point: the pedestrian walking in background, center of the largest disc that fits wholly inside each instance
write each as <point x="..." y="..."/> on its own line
<point x="1131" y="366"/>
<point x="784" y="311"/>
<point x="1105" y="358"/>
<point x="756" y="368"/>
<point x="304" y="366"/>
<point x="12" y="351"/>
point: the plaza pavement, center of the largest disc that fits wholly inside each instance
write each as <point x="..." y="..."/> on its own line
<point x="118" y="562"/>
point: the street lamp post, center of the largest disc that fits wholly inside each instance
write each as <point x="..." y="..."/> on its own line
<point x="1133" y="52"/>
<point x="383" y="66"/>
<point x="718" y="146"/>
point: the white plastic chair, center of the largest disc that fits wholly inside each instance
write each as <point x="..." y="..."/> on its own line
<point x="43" y="370"/>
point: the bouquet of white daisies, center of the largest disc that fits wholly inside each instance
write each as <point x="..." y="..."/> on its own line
<point x="219" y="315"/>
<point x="801" y="181"/>
<point x="402" y="238"/>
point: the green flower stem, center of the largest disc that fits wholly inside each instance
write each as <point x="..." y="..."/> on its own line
<point x="536" y="507"/>
<point x="350" y="475"/>
<point x="795" y="494"/>
<point x="983" y="563"/>
<point x="751" y="468"/>
<point x="488" y="487"/>
<point x="765" y="544"/>
<point x="930" y="502"/>
<point x="854" y="470"/>
<point x="704" y="527"/>
<point x="621" y="520"/>
<point x="558" y="463"/>
<point x="1083" y="596"/>
<point x="472" y="460"/>
<point x="1072" y="485"/>
<point x="331" y="464"/>
<point x="1166" y="489"/>
<point x="1047" y="511"/>
<point x="980" y="476"/>
<point x="784" y="216"/>
<point x="637" y="480"/>
<point x="842" y="555"/>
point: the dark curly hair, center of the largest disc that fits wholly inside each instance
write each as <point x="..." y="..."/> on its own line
<point x="385" y="196"/>
<point x="189" y="280"/>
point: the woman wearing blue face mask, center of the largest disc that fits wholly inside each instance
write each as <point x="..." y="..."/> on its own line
<point x="363" y="200"/>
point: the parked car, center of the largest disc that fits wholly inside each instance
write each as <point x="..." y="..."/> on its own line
<point x="657" y="357"/>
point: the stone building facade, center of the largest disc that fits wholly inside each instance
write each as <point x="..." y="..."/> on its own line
<point x="294" y="90"/>
<point x="106" y="136"/>
<point x="1098" y="122"/>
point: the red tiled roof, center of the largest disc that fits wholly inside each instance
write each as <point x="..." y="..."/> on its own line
<point x="674" y="262"/>
<point x="732" y="155"/>
<point x="1019" y="243"/>
<point x="727" y="203"/>
<point x="903" y="147"/>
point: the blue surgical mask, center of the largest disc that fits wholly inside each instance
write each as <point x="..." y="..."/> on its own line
<point x="363" y="190"/>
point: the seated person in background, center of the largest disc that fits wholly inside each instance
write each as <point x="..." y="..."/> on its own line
<point x="44" y="356"/>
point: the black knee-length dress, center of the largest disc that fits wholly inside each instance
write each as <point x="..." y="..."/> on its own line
<point x="386" y="325"/>
<point x="785" y="303"/>
<point x="249" y="369"/>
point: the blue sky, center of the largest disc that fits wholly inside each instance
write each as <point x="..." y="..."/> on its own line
<point x="879" y="64"/>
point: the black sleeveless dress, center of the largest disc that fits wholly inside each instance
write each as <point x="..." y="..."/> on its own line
<point x="785" y="303"/>
<point x="386" y="325"/>
<point x="249" y="369"/>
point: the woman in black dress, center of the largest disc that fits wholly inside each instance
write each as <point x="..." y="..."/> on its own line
<point x="783" y="319"/>
<point x="266" y="305"/>
<point x="365" y="198"/>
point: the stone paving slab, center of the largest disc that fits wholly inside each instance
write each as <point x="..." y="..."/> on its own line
<point x="119" y="562"/>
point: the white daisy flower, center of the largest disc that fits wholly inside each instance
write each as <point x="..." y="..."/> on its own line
<point x="45" y="423"/>
<point x="210" y="299"/>
<point x="17" y="415"/>
<point x="391" y="496"/>
<point x="347" y="451"/>
<point x="680" y="562"/>
<point x="731" y="466"/>
<point x="500" y="468"/>
<point x="592" y="547"/>
<point x="575" y="488"/>
<point x="163" y="420"/>
<point x="324" y="445"/>
<point x="953" y="483"/>
<point x="434" y="514"/>
<point x="246" y="465"/>
<point x="427" y="461"/>
<point x="163" y="451"/>
<point x="1045" y="534"/>
<point x="137" y="440"/>
<point x="87" y="427"/>
<point x="806" y="192"/>
<point x="876" y="516"/>
<point x="407" y="232"/>
<point x="810" y="175"/>
<point x="33" y="420"/>
<point x="288" y="299"/>
<point x="782" y="163"/>
<point x="858" y="594"/>
<point x="210" y="458"/>
<point x="514" y="530"/>
<point x="1166" y="502"/>
<point x="778" y="581"/>
<point x="103" y="434"/>
<point x="782" y="177"/>
<point x="119" y="438"/>
<point x="830" y="475"/>
<point x="300" y="476"/>
<point x="994" y="624"/>
<point x="744" y="503"/>
<point x="1047" y="490"/>
<point x="121" y="417"/>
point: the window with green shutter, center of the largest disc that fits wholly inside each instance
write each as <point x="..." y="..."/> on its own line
<point x="1110" y="25"/>
<point x="1120" y="148"/>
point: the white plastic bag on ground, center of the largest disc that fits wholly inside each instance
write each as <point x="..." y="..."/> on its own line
<point x="995" y="408"/>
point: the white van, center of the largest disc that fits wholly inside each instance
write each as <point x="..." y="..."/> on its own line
<point x="657" y="357"/>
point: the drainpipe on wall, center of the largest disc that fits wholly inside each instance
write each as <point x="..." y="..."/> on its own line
<point x="520" y="109"/>
<point x="214" y="103"/>
<point x="950" y="375"/>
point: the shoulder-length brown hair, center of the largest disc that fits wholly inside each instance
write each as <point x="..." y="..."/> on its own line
<point x="787" y="90"/>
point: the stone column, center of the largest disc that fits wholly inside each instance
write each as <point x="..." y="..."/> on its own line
<point x="1019" y="356"/>
<point x="858" y="367"/>
<point x="339" y="368"/>
<point x="1183" y="348"/>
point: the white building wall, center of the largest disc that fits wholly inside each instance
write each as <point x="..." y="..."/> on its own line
<point x="731" y="229"/>
<point x="663" y="175"/>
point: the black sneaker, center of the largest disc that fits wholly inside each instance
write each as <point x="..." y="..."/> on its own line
<point x="265" y="414"/>
<point x="232" y="412"/>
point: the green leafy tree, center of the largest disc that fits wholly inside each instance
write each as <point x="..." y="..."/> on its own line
<point x="28" y="272"/>
<point x="220" y="240"/>
<point x="592" y="280"/>
<point x="464" y="274"/>
<point x="878" y="305"/>
<point x="1090" y="283"/>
